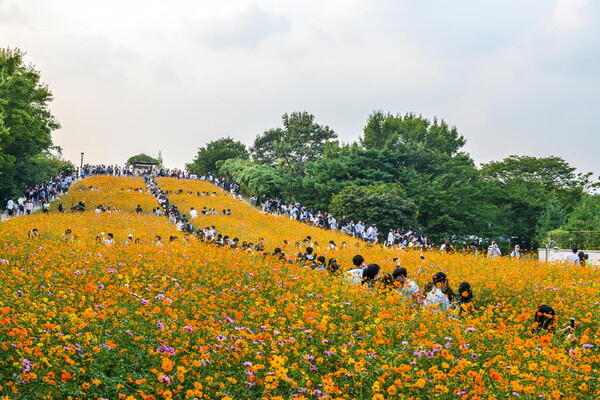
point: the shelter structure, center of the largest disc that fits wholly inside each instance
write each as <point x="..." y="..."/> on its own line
<point x="144" y="168"/>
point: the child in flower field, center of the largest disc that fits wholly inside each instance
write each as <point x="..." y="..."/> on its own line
<point x="465" y="298"/>
<point x="332" y="266"/>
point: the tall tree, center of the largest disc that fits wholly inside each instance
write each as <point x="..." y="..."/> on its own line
<point x="522" y="186"/>
<point x="301" y="140"/>
<point x="384" y="130"/>
<point x="214" y="152"/>
<point x="552" y="217"/>
<point x="26" y="123"/>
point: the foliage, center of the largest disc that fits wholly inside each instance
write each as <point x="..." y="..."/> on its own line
<point x="26" y="123"/>
<point x="522" y="185"/>
<point x="584" y="240"/>
<point x="553" y="217"/>
<point x="141" y="158"/>
<point x="387" y="131"/>
<point x="382" y="205"/>
<point x="256" y="179"/>
<point x="585" y="216"/>
<point x="208" y="158"/>
<point x="290" y="148"/>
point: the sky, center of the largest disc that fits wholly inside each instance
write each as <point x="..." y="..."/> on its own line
<point x="132" y="77"/>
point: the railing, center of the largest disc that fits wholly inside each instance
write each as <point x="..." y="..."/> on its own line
<point x="588" y="240"/>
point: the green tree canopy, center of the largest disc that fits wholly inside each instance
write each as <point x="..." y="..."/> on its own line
<point x="383" y="205"/>
<point x="414" y="133"/>
<point x="301" y="140"/>
<point x="553" y="216"/>
<point x="585" y="216"/>
<point x="141" y="158"/>
<point x="26" y="123"/>
<point x="522" y="185"/>
<point x="214" y="152"/>
<point x="256" y="179"/>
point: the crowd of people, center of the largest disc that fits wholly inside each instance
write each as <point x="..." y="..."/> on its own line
<point x="38" y="196"/>
<point x="578" y="257"/>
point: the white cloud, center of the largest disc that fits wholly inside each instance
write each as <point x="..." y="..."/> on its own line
<point x="142" y="76"/>
<point x="571" y="15"/>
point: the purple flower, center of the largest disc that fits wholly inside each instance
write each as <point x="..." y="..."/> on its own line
<point x="220" y="338"/>
<point x="470" y="329"/>
<point x="462" y="392"/>
<point x="164" y="379"/>
<point x="188" y="328"/>
<point x="473" y="356"/>
<point x="165" y="349"/>
<point x="101" y="286"/>
<point x="587" y="346"/>
<point x="229" y="320"/>
<point x="160" y="325"/>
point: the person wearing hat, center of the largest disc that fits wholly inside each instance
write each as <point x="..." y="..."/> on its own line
<point x="129" y="240"/>
<point x="436" y="298"/>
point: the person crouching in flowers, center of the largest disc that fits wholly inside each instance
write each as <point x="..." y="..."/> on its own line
<point x="465" y="298"/>
<point x="545" y="320"/>
<point x="436" y="299"/>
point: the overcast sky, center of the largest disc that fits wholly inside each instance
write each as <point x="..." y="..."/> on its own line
<point x="131" y="76"/>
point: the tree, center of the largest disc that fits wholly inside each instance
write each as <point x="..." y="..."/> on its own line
<point x="387" y="131"/>
<point x="219" y="150"/>
<point x="290" y="148"/>
<point x="26" y="123"/>
<point x="383" y="205"/>
<point x="256" y="179"/>
<point x="522" y="185"/>
<point x="160" y="164"/>
<point x="552" y="217"/>
<point x="585" y="216"/>
<point x="141" y="158"/>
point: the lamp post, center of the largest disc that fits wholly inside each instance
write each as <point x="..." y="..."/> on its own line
<point x="81" y="167"/>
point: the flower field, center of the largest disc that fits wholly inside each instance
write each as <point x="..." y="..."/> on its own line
<point x="124" y="193"/>
<point x="190" y="320"/>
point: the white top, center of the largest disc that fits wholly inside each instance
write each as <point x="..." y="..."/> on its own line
<point x="574" y="258"/>
<point x="355" y="275"/>
<point x="437" y="299"/>
<point x="408" y="288"/>
<point x="494" y="251"/>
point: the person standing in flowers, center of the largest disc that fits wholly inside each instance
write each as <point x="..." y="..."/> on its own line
<point x="494" y="250"/>
<point x="439" y="296"/>
<point x="516" y="253"/>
